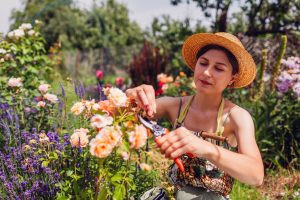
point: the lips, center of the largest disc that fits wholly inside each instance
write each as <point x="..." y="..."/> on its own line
<point x="205" y="82"/>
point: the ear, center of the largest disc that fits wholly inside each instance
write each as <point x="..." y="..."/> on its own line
<point x="233" y="78"/>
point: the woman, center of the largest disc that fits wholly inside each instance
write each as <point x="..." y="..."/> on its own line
<point x="219" y="134"/>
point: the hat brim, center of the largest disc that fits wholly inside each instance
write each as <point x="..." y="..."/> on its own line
<point x="247" y="67"/>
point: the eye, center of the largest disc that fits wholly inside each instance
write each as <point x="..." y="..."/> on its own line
<point x="219" y="69"/>
<point x="203" y="63"/>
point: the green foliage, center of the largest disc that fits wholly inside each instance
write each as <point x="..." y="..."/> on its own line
<point x="169" y="35"/>
<point x="25" y="57"/>
<point x="245" y="192"/>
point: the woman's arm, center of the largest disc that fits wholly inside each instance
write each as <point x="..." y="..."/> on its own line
<point x="144" y="95"/>
<point x="245" y="166"/>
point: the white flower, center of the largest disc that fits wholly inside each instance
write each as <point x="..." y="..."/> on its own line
<point x="51" y="97"/>
<point x="77" y="108"/>
<point x="41" y="104"/>
<point x="37" y="21"/>
<point x="2" y="51"/>
<point x="43" y="88"/>
<point x="11" y="34"/>
<point x="25" y="26"/>
<point x="15" y="82"/>
<point x="19" y="33"/>
<point x="31" y="32"/>
<point x="117" y="97"/>
<point x="100" y="121"/>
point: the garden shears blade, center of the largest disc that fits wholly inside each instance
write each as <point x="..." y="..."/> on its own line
<point x="157" y="131"/>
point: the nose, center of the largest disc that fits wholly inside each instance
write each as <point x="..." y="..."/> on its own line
<point x="207" y="72"/>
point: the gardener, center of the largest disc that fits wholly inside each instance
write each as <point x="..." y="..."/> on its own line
<point x="218" y="133"/>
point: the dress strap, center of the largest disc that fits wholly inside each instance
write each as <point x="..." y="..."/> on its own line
<point x="182" y="115"/>
<point x="220" y="127"/>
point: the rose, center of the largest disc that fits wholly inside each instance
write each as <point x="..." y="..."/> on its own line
<point x="138" y="137"/>
<point x="43" y="88"/>
<point x="15" y="82"/>
<point x="51" y="97"/>
<point x="79" y="138"/>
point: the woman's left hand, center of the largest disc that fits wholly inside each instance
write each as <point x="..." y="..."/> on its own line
<point x="179" y="142"/>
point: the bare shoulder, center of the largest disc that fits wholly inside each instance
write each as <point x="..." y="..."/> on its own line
<point x="240" y="115"/>
<point x="166" y="106"/>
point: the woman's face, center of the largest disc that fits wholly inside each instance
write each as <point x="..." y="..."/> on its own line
<point x="213" y="72"/>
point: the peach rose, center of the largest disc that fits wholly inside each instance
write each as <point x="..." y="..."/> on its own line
<point x="117" y="97"/>
<point x="100" y="147"/>
<point x="138" y="137"/>
<point x="112" y="134"/>
<point x="79" y="138"/>
<point x="77" y="108"/>
<point x="100" y="121"/>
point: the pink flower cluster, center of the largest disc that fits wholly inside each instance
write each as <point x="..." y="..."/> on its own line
<point x="290" y="76"/>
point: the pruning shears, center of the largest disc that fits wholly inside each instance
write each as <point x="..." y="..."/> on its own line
<point x="157" y="131"/>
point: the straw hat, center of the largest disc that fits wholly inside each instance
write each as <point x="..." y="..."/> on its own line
<point x="247" y="67"/>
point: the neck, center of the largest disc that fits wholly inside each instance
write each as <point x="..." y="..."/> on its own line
<point x="206" y="102"/>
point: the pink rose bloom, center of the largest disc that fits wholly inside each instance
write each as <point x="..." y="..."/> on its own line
<point x="41" y="104"/>
<point x="15" y="82"/>
<point x="43" y="88"/>
<point x="99" y="74"/>
<point x="79" y="138"/>
<point x="138" y="137"/>
<point x="51" y="97"/>
<point x="119" y="81"/>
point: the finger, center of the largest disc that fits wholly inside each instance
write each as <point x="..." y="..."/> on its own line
<point x="178" y="152"/>
<point x="149" y="90"/>
<point x="169" y="142"/>
<point x="160" y="140"/>
<point x="173" y="148"/>
<point x="143" y="97"/>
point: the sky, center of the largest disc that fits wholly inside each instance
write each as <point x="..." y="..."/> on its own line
<point x="141" y="11"/>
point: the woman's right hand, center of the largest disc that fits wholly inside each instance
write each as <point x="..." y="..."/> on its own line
<point x="144" y="96"/>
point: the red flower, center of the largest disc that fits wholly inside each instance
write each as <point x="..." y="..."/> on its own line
<point x="99" y="74"/>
